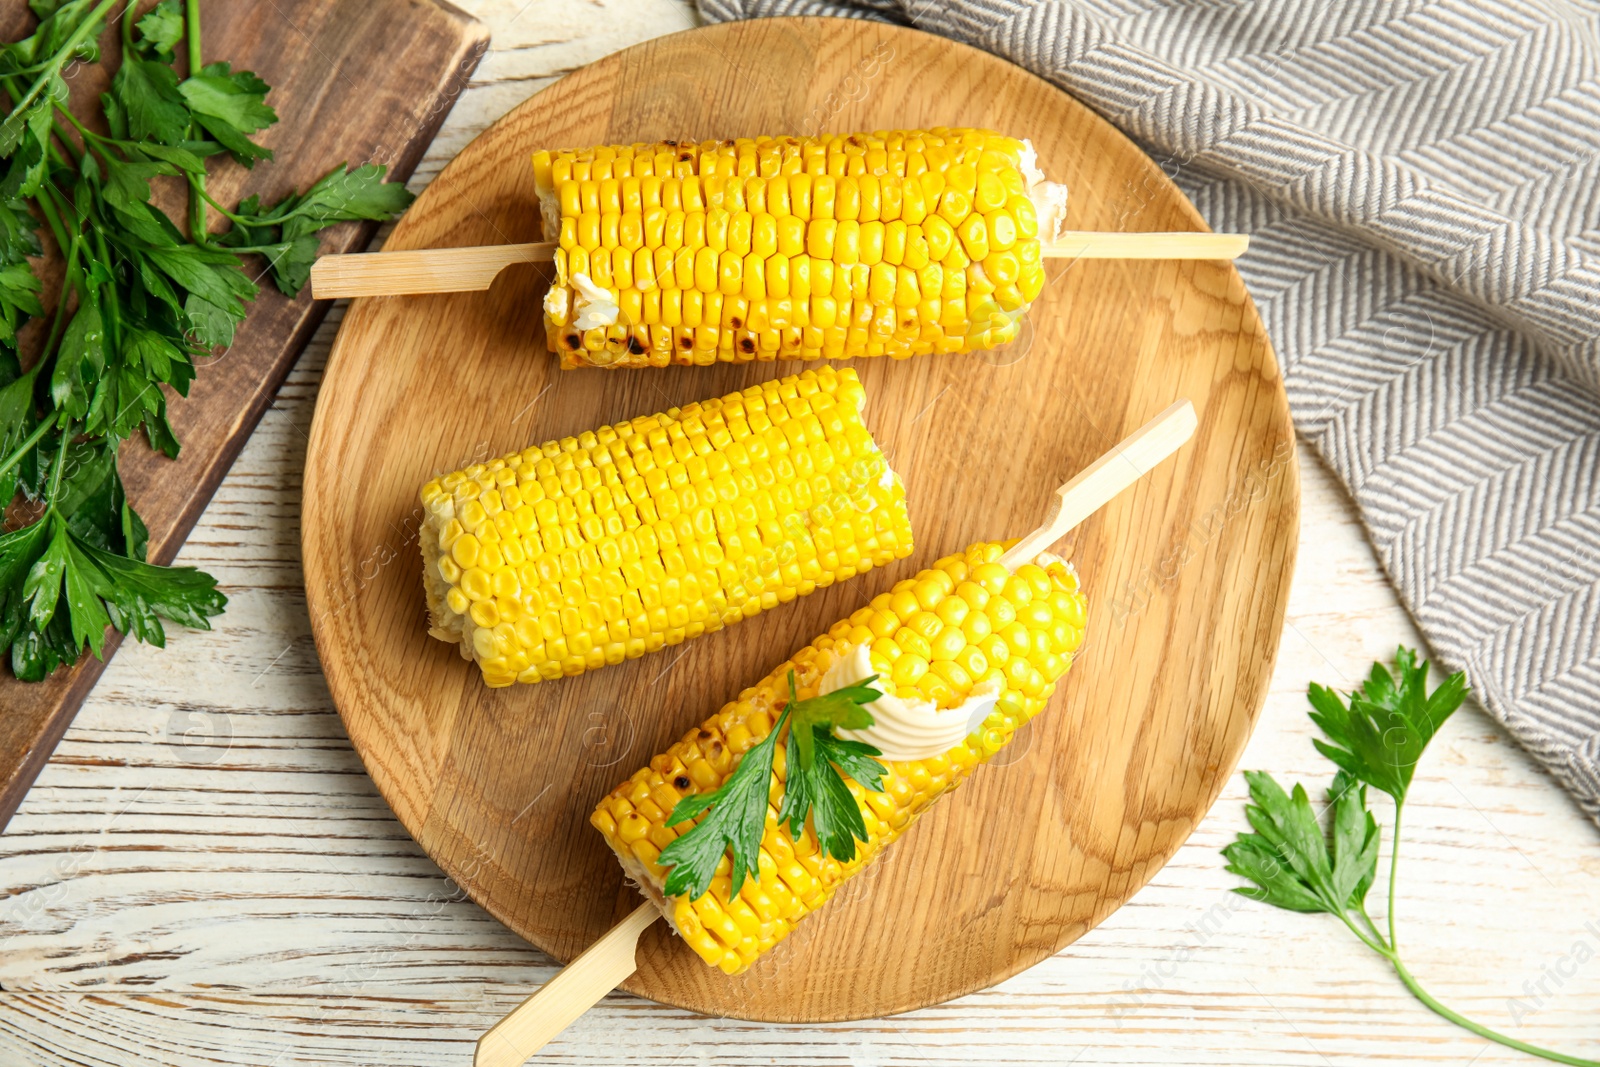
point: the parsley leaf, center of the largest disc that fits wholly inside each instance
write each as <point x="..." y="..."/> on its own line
<point x="19" y="238"/>
<point x="230" y="105"/>
<point x="139" y="595"/>
<point x="36" y="653"/>
<point x="821" y="792"/>
<point x="147" y="95"/>
<point x="286" y="232"/>
<point x="85" y="584"/>
<point x="1379" y="736"/>
<point x="161" y="29"/>
<point x="345" y="195"/>
<point x="1291" y="861"/>
<point x="16" y="423"/>
<point x="42" y="588"/>
<point x="19" y="299"/>
<point x="127" y="185"/>
<point x="19" y="551"/>
<point x="813" y="786"/>
<point x="841" y="708"/>
<point x="80" y="360"/>
<point x="736" y="823"/>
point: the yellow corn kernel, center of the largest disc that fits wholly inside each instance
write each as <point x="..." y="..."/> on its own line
<point x="991" y="192"/>
<point x="881" y="287"/>
<point x="871" y="243"/>
<point x="847" y="199"/>
<point x="755" y="276"/>
<point x="974" y="232"/>
<point x="820" y="237"/>
<point x="871" y="198"/>
<point x="894" y="242"/>
<point x="764" y="235"/>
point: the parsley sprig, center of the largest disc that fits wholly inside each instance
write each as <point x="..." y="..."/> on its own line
<point x="1293" y="862"/>
<point x="141" y="299"/>
<point x="818" y="762"/>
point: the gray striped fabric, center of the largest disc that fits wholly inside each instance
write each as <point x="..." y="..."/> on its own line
<point x="1421" y="180"/>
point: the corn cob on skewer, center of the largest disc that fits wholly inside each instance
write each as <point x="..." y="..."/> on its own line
<point x="968" y="624"/>
<point x="895" y="243"/>
<point x="590" y="550"/>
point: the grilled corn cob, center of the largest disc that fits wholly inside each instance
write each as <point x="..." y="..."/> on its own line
<point x="895" y="243"/>
<point x="968" y="624"/>
<point x="593" y="549"/>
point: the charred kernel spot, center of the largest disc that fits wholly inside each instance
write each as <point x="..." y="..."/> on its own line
<point x="854" y="140"/>
<point x="736" y="322"/>
<point x="746" y="345"/>
<point x="703" y="735"/>
<point x="681" y="782"/>
<point x="714" y="749"/>
<point x="670" y="144"/>
<point x="685" y="342"/>
<point x="634" y="346"/>
<point x="573" y="340"/>
<point x="685" y="157"/>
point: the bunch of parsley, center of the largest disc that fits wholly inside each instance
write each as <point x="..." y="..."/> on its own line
<point x="1294" y="863"/>
<point x="141" y="298"/>
<point x="814" y="786"/>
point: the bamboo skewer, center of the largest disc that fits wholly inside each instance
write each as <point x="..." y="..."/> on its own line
<point x="611" y="960"/>
<point x="579" y="986"/>
<point x="1107" y="476"/>
<point x="460" y="270"/>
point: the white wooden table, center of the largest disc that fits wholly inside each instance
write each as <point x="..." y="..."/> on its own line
<point x="204" y="874"/>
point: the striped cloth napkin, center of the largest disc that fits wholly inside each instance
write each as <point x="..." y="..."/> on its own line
<point x="1421" y="180"/>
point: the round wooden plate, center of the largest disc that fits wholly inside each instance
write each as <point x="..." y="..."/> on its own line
<point x="1187" y="574"/>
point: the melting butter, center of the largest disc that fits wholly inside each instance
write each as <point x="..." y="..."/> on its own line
<point x="909" y="729"/>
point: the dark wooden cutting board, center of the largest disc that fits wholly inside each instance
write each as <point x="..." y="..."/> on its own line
<point x="354" y="81"/>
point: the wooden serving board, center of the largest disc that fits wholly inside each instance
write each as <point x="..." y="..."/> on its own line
<point x="1187" y="574"/>
<point x="353" y="81"/>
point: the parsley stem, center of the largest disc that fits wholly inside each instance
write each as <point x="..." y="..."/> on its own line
<point x="70" y="46"/>
<point x="127" y="30"/>
<point x="83" y="131"/>
<point x="1374" y="944"/>
<point x="239" y="220"/>
<point x="1389" y="953"/>
<point x="28" y="442"/>
<point x="192" y="29"/>
<point x="1394" y="866"/>
<point x="53" y="220"/>
<point x="198" y="225"/>
<point x="113" y="321"/>
<point x="60" y="322"/>
<point x="73" y="151"/>
<point x="61" y="461"/>
<point x="1477" y="1028"/>
<point x="1372" y="927"/>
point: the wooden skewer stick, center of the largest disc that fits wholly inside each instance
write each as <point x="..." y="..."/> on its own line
<point x="581" y="985"/>
<point x="460" y="270"/>
<point x="609" y="961"/>
<point x="1106" y="477"/>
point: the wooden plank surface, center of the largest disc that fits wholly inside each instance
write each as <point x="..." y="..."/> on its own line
<point x="498" y="785"/>
<point x="354" y="81"/>
<point x="204" y="874"/>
